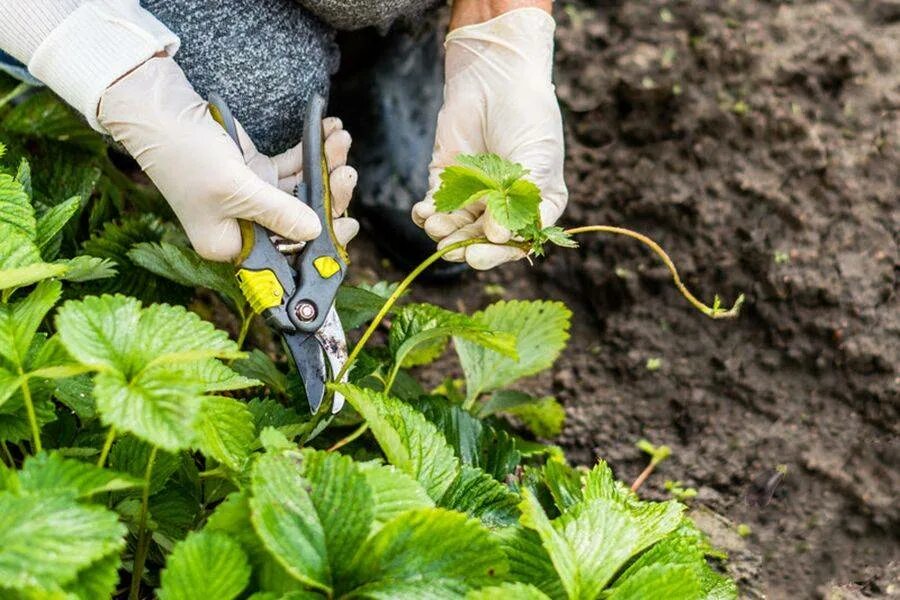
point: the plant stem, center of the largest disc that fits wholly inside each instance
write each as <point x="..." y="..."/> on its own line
<point x="643" y="476"/>
<point x="143" y="541"/>
<point x="245" y="328"/>
<point x="216" y="472"/>
<point x="389" y="384"/>
<point x="713" y="312"/>
<point x="346" y="440"/>
<point x="386" y="308"/>
<point x="110" y="438"/>
<point x="8" y="454"/>
<point x="17" y="91"/>
<point x="32" y="417"/>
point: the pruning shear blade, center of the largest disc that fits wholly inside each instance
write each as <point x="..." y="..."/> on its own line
<point x="319" y="357"/>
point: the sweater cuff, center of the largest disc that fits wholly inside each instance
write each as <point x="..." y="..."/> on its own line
<point x="96" y="45"/>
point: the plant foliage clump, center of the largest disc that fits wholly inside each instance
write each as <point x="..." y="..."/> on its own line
<point x="145" y="451"/>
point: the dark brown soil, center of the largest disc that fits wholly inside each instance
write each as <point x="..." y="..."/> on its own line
<point x="757" y="141"/>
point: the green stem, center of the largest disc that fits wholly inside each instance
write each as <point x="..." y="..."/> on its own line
<point x="713" y="312"/>
<point x="392" y="299"/>
<point x="17" y="91"/>
<point x="8" y="454"/>
<point x="143" y="541"/>
<point x="344" y="441"/>
<point x="245" y="327"/>
<point x="216" y="472"/>
<point x="32" y="417"/>
<point x="107" y="445"/>
<point x="389" y="384"/>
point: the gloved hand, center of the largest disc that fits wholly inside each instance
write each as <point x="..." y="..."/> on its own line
<point x="166" y="126"/>
<point x="498" y="97"/>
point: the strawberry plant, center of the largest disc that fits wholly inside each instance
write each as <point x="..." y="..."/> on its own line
<point x="148" y="453"/>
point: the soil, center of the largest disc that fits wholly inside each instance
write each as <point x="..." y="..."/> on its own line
<point x="757" y="141"/>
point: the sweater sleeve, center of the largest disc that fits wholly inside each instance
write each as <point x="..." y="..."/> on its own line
<point x="78" y="48"/>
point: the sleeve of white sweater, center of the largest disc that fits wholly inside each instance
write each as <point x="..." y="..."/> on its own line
<point x="78" y="48"/>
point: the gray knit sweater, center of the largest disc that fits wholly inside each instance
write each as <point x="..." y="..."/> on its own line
<point x="265" y="57"/>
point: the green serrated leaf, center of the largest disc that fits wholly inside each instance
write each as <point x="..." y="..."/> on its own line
<point x="653" y="519"/>
<point x="393" y="492"/>
<point x="512" y="201"/>
<point x="541" y="330"/>
<point x="14" y="422"/>
<point x="460" y="186"/>
<point x="587" y="545"/>
<point x="23" y="176"/>
<point x="564" y="483"/>
<point x="88" y="268"/>
<point x="157" y="407"/>
<point x="479" y="495"/>
<point x="19" y="321"/>
<point x="494" y="167"/>
<point x="409" y="441"/>
<point x="98" y="580"/>
<point x="559" y="237"/>
<point x="9" y="384"/>
<point x="154" y="364"/>
<point x="185" y="267"/>
<point x="516" y="207"/>
<point x="207" y="564"/>
<point x="42" y="115"/>
<point x="357" y="305"/>
<point x="544" y="417"/>
<point x="529" y="562"/>
<point x="225" y="431"/>
<point x="660" y="582"/>
<point x="51" y="473"/>
<point x="16" y="213"/>
<point x="258" y="365"/>
<point x="35" y="527"/>
<point x="344" y="503"/>
<point x="173" y="513"/>
<point x="52" y="222"/>
<point x="77" y="393"/>
<point x="419" y="333"/>
<point x="273" y="440"/>
<point x="430" y="553"/>
<point x="114" y="242"/>
<point x="312" y="510"/>
<point x="684" y="548"/>
<point x="477" y="443"/>
<point x="539" y="237"/>
<point x="48" y="359"/>
<point x="130" y="455"/>
<point x="270" y="413"/>
<point x="233" y="517"/>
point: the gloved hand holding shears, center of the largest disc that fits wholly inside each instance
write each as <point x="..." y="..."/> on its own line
<point x="234" y="202"/>
<point x="166" y="126"/>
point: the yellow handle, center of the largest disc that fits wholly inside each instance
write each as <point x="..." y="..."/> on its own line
<point x="261" y="288"/>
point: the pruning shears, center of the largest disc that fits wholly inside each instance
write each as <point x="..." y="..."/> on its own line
<point x="295" y="292"/>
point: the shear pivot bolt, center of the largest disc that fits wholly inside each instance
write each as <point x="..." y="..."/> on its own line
<point x="306" y="311"/>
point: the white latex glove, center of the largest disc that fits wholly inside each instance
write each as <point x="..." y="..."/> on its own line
<point x="166" y="126"/>
<point x="498" y="97"/>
